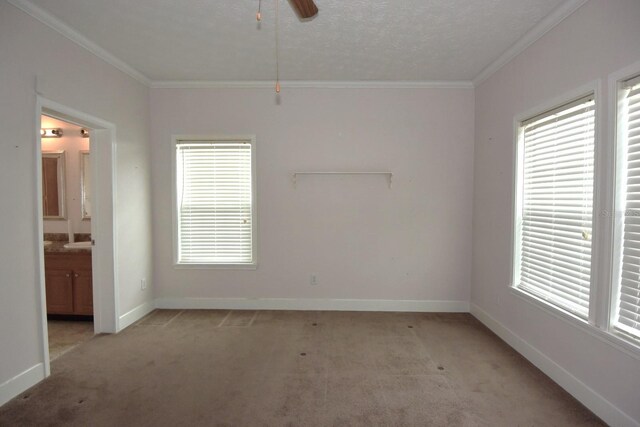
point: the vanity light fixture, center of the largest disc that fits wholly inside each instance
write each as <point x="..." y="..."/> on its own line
<point x="51" y="133"/>
<point x="84" y="133"/>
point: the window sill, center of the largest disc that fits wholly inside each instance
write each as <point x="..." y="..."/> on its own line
<point x="178" y="266"/>
<point x="626" y="345"/>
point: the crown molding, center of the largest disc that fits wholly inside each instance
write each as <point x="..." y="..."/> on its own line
<point x="320" y="84"/>
<point x="73" y="35"/>
<point x="535" y="33"/>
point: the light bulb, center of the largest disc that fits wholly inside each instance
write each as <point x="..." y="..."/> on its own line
<point x="51" y="133"/>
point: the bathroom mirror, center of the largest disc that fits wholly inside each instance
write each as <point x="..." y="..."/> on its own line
<point x="85" y="184"/>
<point x="53" y="185"/>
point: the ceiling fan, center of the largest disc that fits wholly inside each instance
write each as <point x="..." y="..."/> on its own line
<point x="304" y="8"/>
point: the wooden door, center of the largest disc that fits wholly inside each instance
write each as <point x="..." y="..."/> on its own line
<point x="82" y="292"/>
<point x="59" y="291"/>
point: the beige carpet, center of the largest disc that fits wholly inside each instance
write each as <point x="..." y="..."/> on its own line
<point x="246" y="368"/>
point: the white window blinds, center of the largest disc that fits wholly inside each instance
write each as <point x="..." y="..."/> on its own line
<point x="214" y="202"/>
<point x="556" y="205"/>
<point x="627" y="317"/>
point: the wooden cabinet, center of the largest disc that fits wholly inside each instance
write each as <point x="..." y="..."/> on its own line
<point x="59" y="285"/>
<point x="82" y="292"/>
<point x="68" y="282"/>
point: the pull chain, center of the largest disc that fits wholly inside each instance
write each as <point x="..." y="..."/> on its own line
<point x="277" y="46"/>
<point x="259" y="15"/>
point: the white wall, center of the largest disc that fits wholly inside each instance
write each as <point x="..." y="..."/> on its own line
<point x="362" y="239"/>
<point x="71" y="143"/>
<point x="76" y="78"/>
<point x="598" y="39"/>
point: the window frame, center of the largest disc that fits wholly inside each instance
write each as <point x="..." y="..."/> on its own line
<point x="175" y="140"/>
<point x="517" y="182"/>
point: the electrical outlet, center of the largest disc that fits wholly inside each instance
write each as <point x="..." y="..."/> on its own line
<point x="314" y="279"/>
<point x="143" y="284"/>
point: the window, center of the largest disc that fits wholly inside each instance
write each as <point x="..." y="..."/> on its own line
<point x="215" y="202"/>
<point x="554" y="208"/>
<point x="626" y="316"/>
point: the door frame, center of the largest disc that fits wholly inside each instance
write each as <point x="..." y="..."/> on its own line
<point x="103" y="219"/>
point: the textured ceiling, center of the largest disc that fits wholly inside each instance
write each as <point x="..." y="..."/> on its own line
<point x="355" y="40"/>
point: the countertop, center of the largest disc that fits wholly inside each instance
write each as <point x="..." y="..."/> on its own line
<point x="58" y="240"/>
<point x="57" y="247"/>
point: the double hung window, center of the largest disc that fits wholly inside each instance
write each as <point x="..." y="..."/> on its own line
<point x="215" y="202"/>
<point x="626" y="310"/>
<point x="554" y="211"/>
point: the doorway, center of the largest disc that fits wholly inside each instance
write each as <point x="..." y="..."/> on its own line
<point x="82" y="289"/>
<point x="67" y="209"/>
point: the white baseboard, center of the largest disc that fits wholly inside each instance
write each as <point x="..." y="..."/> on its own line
<point x="313" y="304"/>
<point x="589" y="398"/>
<point x="16" y="385"/>
<point x="136" y="314"/>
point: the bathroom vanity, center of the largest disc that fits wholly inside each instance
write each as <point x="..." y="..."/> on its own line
<point x="68" y="281"/>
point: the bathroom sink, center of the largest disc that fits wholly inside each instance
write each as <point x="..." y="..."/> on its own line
<point x="47" y="243"/>
<point x="78" y="245"/>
